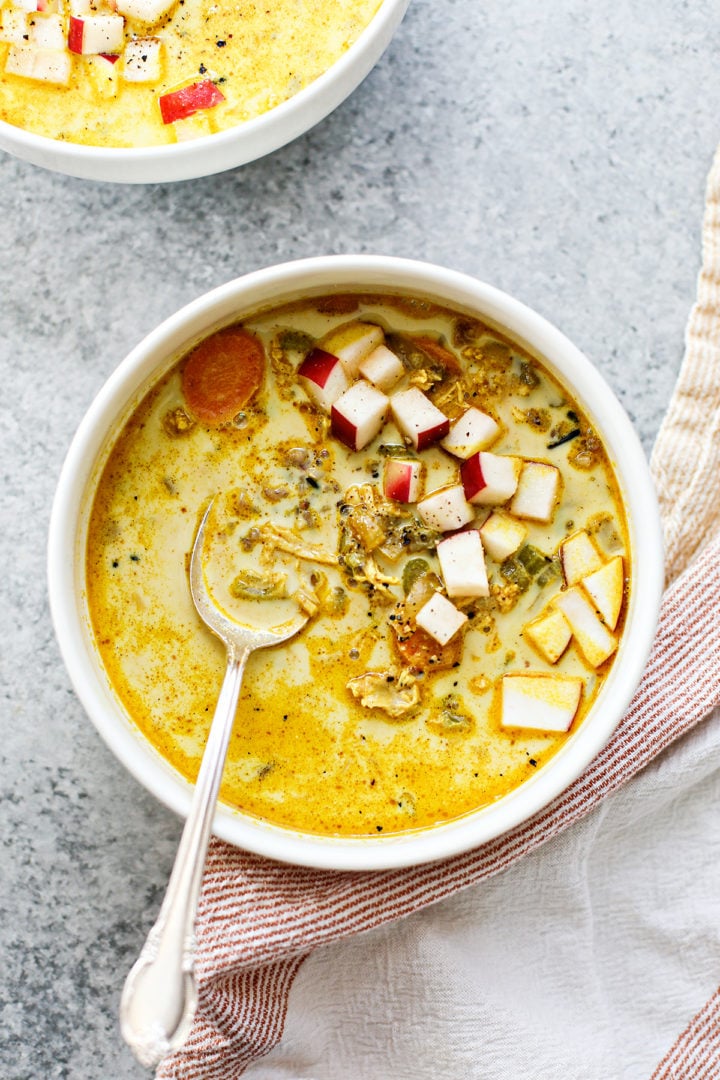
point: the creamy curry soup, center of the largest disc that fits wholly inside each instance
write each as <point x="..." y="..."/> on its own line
<point x="127" y="73"/>
<point x="429" y="495"/>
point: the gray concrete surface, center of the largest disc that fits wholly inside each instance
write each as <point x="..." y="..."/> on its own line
<point x="558" y="151"/>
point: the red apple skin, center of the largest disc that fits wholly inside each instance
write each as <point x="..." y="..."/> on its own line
<point x="318" y="366"/>
<point x="179" y="104"/>
<point x="343" y="429"/>
<point x="472" y="478"/>
<point x="427" y="438"/>
<point x="397" y="485"/>
<point x="75" y="34"/>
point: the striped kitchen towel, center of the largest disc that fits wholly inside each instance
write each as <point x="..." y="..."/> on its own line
<point x="259" y="920"/>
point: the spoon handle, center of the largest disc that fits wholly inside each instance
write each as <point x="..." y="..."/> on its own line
<point x="159" y="998"/>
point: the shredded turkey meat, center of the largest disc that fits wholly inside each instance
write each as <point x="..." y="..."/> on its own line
<point x="275" y="538"/>
<point x="395" y="692"/>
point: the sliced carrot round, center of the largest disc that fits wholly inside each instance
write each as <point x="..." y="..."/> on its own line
<point x="221" y="375"/>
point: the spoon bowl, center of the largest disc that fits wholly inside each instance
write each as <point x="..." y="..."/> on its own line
<point x="160" y="994"/>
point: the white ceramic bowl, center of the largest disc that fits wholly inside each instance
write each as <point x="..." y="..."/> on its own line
<point x="231" y="303"/>
<point x="226" y="149"/>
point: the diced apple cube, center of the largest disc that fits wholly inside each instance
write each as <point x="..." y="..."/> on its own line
<point x="537" y="491"/>
<point x="592" y="637"/>
<point x="14" y="26"/>
<point x="25" y="5"/>
<point x="417" y="418"/>
<point x="440" y="618"/>
<point x="382" y="368"/>
<point x="550" y="635"/>
<point x="46" y="65"/>
<point x="80" y="7"/>
<point x="323" y="378"/>
<point x="90" y="34"/>
<point x="579" y="557"/>
<point x="46" y="31"/>
<point x="543" y="702"/>
<point x="502" y="536"/>
<point x="606" y="587"/>
<point x="147" y="11"/>
<point x="358" y="414"/>
<point x="490" y="479"/>
<point x="141" y="60"/>
<point x="403" y="480"/>
<point x="446" y="509"/>
<point x="352" y="342"/>
<point x="462" y="564"/>
<point x="472" y="432"/>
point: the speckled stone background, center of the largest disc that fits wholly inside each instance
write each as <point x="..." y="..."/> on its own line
<point x="558" y="151"/>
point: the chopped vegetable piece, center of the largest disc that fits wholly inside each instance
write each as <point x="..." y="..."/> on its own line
<point x="141" y="62"/>
<point x="417" y="418"/>
<point x="382" y="368"/>
<point x="540" y="701"/>
<point x="147" y="11"/>
<point x="423" y="653"/>
<point x="403" y="480"/>
<point x="249" y="585"/>
<point x="532" y="559"/>
<point x="358" y="414"/>
<point x="180" y="104"/>
<point x="528" y="374"/>
<point x="472" y="432"/>
<point x="397" y="450"/>
<point x="592" y="637"/>
<point x="414" y="569"/>
<point x="14" y="26"/>
<point x="605" y="587"/>
<point x="550" y="635"/>
<point x="96" y="34"/>
<point x="579" y="557"/>
<point x="462" y="562"/>
<point x="439" y="353"/>
<point x="45" y="65"/>
<point x="424" y="354"/>
<point x="47" y="31"/>
<point x="323" y="378"/>
<point x="537" y="491"/>
<point x="502" y="536"/>
<point x="446" y="509"/>
<point x="222" y="374"/>
<point x="550" y="573"/>
<point x="514" y="572"/>
<point x="440" y="618"/>
<point x="490" y="479"/>
<point x="351" y="343"/>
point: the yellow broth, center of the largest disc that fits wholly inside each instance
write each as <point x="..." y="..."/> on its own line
<point x="257" y="55"/>
<point x="305" y="753"/>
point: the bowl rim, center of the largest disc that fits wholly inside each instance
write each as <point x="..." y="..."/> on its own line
<point x="238" y="145"/>
<point x="231" y="302"/>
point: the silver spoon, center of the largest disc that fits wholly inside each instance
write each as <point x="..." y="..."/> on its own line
<point x="159" y="998"/>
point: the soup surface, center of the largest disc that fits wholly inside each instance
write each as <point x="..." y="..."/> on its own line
<point x="127" y="73"/>
<point x="436" y="503"/>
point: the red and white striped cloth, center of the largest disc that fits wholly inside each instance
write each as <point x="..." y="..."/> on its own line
<point x="259" y="920"/>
